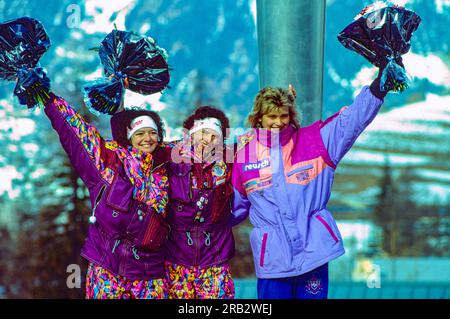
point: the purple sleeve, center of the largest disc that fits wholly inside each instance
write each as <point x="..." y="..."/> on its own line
<point x="340" y="131"/>
<point x="241" y="208"/>
<point x="241" y="204"/>
<point x="81" y="141"/>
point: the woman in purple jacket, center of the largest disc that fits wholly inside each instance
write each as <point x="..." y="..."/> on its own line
<point x="128" y="186"/>
<point x="201" y="242"/>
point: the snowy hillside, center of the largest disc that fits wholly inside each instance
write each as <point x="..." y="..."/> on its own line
<point x="414" y="137"/>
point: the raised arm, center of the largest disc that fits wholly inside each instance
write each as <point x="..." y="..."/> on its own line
<point x="340" y="131"/>
<point x="91" y="156"/>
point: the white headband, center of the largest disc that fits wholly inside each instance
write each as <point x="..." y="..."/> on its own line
<point x="209" y="122"/>
<point x="140" y="122"/>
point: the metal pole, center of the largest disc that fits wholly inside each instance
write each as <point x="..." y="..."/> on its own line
<point x="291" y="44"/>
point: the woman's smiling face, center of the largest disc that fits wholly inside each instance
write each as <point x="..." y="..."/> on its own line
<point x="145" y="140"/>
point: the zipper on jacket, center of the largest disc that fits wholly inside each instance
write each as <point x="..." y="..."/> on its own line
<point x="154" y="168"/>
<point x="92" y="218"/>
<point x="196" y="246"/>
<point x="190" y="185"/>
<point x="323" y="221"/>
<point x="263" y="250"/>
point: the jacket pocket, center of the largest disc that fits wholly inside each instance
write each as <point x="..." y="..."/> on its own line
<point x="300" y="169"/>
<point x="222" y="201"/>
<point x="156" y="234"/>
<point x="263" y="250"/>
<point x="180" y="182"/>
<point x="328" y="227"/>
<point x="271" y="251"/>
<point x="120" y="194"/>
<point x="302" y="175"/>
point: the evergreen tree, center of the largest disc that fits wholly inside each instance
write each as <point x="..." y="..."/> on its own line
<point x="52" y="207"/>
<point x="397" y="214"/>
<point x="384" y="214"/>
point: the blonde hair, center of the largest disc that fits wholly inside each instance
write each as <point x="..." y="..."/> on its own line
<point x="270" y="98"/>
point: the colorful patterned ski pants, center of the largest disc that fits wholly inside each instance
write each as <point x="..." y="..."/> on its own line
<point x="101" y="284"/>
<point x="199" y="282"/>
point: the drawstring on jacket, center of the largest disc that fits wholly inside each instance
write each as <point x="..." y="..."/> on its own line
<point x="190" y="242"/>
<point x="208" y="238"/>
<point x="115" y="246"/>
<point x="134" y="250"/>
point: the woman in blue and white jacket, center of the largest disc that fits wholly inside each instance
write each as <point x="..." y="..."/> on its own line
<point x="282" y="179"/>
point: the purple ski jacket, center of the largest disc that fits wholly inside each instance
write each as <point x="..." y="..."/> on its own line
<point x="283" y="182"/>
<point x="199" y="211"/>
<point x="124" y="227"/>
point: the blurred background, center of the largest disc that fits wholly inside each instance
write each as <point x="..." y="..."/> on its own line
<point x="391" y="196"/>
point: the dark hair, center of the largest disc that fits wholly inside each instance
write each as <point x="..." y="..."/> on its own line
<point x="208" y="111"/>
<point x="120" y="122"/>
